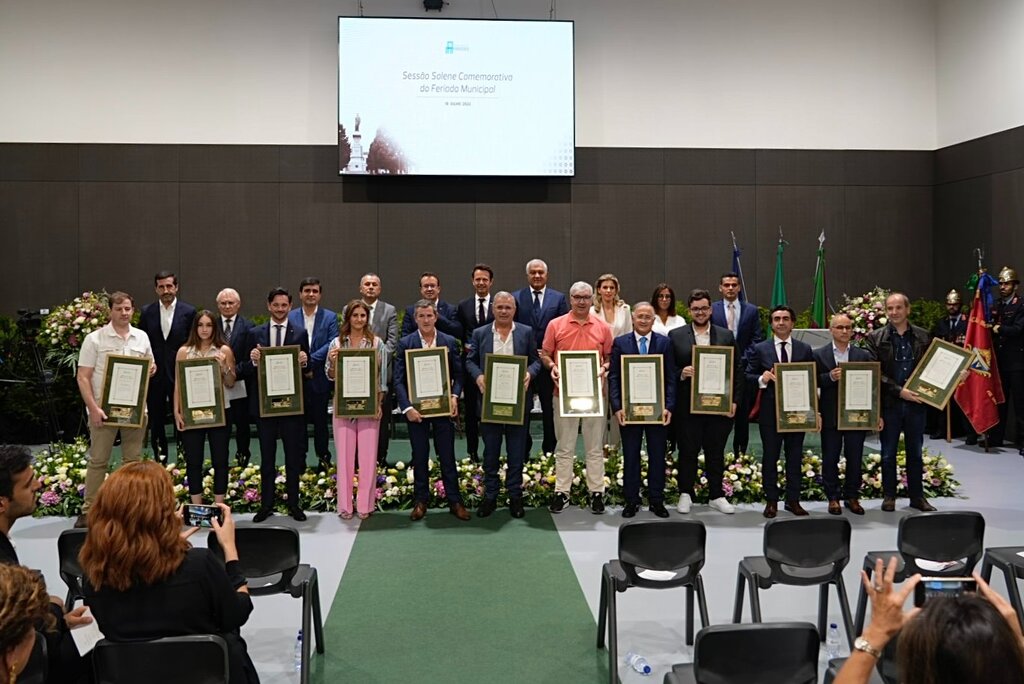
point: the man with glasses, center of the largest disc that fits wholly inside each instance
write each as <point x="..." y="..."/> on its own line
<point x="743" y="321"/>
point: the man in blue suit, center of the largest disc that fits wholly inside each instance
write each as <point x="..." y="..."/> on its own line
<point x="420" y="427"/>
<point x="447" y="316"/>
<point x="782" y="348"/>
<point x="167" y="322"/>
<point x="536" y="306"/>
<point x="833" y="441"/>
<point x="291" y="430"/>
<point x="235" y="329"/>
<point x="473" y="313"/>
<point x="321" y="326"/>
<point x="503" y="336"/>
<point x="743" y="321"/>
<point x="643" y="341"/>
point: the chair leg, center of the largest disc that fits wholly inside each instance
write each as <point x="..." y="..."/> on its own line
<point x="307" y="614"/>
<point x="689" y="615"/>
<point x="862" y="603"/>
<point x="822" y="611"/>
<point x="737" y="606"/>
<point x="602" y="611"/>
<point x="702" y="602"/>
<point x="613" y="639"/>
<point x="986" y="569"/>
<point x="844" y="607"/>
<point x="755" y="601"/>
<point x="318" y="620"/>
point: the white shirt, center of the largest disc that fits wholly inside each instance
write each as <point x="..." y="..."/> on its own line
<point x="542" y="291"/>
<point x="476" y="308"/>
<point x="167" y="317"/>
<point x="840" y="356"/>
<point x="647" y="337"/>
<point x="735" y="306"/>
<point x="310" y="322"/>
<point x="703" y="338"/>
<point x="671" y="323"/>
<point x="99" y="344"/>
<point x="504" y="346"/>
<point x="778" y="355"/>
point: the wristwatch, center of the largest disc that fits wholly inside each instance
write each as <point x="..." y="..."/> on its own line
<point x="862" y="644"/>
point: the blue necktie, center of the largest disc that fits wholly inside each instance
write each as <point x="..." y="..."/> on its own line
<point x="643" y="345"/>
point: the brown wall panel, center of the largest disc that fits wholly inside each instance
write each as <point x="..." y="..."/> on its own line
<point x="1007" y="245"/>
<point x="709" y="167"/>
<point x="38" y="162"/>
<point x="628" y="165"/>
<point x="963" y="221"/>
<point x="229" y="163"/>
<point x="800" y="167"/>
<point x="131" y="163"/>
<point x="508" y="236"/>
<point x="886" y="167"/>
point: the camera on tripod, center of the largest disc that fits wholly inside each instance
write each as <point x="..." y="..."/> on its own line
<point x="30" y="321"/>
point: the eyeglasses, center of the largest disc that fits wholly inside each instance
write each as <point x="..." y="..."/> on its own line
<point x="700" y="309"/>
<point x="842" y="327"/>
<point x="581" y="298"/>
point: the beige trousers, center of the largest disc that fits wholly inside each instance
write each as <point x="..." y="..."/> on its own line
<point x="565" y="451"/>
<point x="102" y="444"/>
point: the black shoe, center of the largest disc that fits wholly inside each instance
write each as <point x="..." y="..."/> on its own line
<point x="242" y="460"/>
<point x="630" y="510"/>
<point x="382" y="462"/>
<point x="994" y="444"/>
<point x="474" y="458"/>
<point x="1021" y="451"/>
<point x="515" y="507"/>
<point x="487" y="506"/>
<point x="922" y="504"/>
<point x="558" y="502"/>
<point x="297" y="514"/>
<point x="658" y="509"/>
<point x="81" y="522"/>
<point x="325" y="464"/>
<point x="597" y="503"/>
<point x="971" y="440"/>
<point x="938" y="435"/>
<point x="262" y="515"/>
<point x="889" y="504"/>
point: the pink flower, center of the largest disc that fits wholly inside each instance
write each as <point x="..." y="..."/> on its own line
<point x="251" y="495"/>
<point x="49" y="498"/>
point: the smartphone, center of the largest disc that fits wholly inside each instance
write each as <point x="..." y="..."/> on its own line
<point x="932" y="587"/>
<point x="196" y="515"/>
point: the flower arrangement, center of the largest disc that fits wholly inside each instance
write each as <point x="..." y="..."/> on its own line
<point x="62" y="476"/>
<point x="866" y="311"/>
<point x="66" y="326"/>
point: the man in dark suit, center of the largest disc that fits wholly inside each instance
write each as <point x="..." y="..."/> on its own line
<point x="321" y="326"/>
<point x="235" y="329"/>
<point x="702" y="431"/>
<point x="1008" y="340"/>
<point x="291" y="430"/>
<point x="384" y="323"/>
<point x="504" y="337"/>
<point x="536" y="306"/>
<point x="473" y="313"/>
<point x="447" y="316"/>
<point x="642" y="341"/>
<point x="167" y="322"/>
<point x="782" y="348"/>
<point x="834" y="441"/>
<point x="744" y="322"/>
<point x="420" y="427"/>
<point x="953" y="329"/>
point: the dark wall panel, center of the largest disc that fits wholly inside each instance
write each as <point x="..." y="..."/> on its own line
<point x="509" y="235"/>
<point x="230" y="163"/>
<point x="130" y="163"/>
<point x="1007" y="246"/>
<point x="963" y="221"/>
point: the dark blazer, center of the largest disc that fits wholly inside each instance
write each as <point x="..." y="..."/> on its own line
<point x="412" y="341"/>
<point x="748" y="332"/>
<point x="325" y="329"/>
<point x="828" y="401"/>
<point x="8" y="556"/>
<point x="260" y="336"/>
<point x="762" y="357"/>
<point x="683" y="341"/>
<point x="881" y="348"/>
<point x="240" y="328"/>
<point x="626" y="344"/>
<point x="466" y="315"/>
<point x="482" y="344"/>
<point x="555" y="305"/>
<point x="164" y="351"/>
<point x="447" y="320"/>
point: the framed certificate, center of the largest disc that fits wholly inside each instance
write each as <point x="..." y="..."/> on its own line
<point x="505" y="397"/>
<point x="936" y="375"/>
<point x="429" y="381"/>
<point x="202" y="393"/>
<point x="711" y="387"/>
<point x="643" y="388"/>
<point x="356" y="380"/>
<point x="579" y="392"/>
<point x="125" y="384"/>
<point x="860" y="391"/>
<point x="280" y="381"/>
<point x="796" y="397"/>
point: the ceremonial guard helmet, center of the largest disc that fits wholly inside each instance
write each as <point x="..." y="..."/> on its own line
<point x="953" y="297"/>
<point x="1008" y="275"/>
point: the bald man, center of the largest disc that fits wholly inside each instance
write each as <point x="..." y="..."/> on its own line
<point x="236" y="329"/>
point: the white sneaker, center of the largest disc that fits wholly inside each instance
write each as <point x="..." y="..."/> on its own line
<point x="684" y="504"/>
<point x="722" y="505"/>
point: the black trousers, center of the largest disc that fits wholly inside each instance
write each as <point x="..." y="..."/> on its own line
<point x="773" y="444"/>
<point x="291" y="432"/>
<point x="632" y="438"/>
<point x="159" y="400"/>
<point x="544" y="387"/>
<point x="834" y="442"/>
<point x="315" y="406"/>
<point x="238" y="417"/>
<point x="741" y="423"/>
<point x="694" y="433"/>
<point x="386" y="421"/>
<point x="194" y="443"/>
<point x="1013" y="390"/>
<point x="471" y="415"/>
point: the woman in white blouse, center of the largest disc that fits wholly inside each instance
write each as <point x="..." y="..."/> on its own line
<point x="665" y="316"/>
<point x="610" y="307"/>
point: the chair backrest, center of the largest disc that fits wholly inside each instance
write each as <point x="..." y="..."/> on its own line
<point x="69" y="543"/>
<point x="807" y="550"/>
<point x="941" y="536"/>
<point x="36" y="670"/>
<point x="268" y="556"/>
<point x="759" y="653"/>
<point x="196" y="659"/>
<point x="664" y="546"/>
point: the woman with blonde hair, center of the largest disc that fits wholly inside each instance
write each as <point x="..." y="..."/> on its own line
<point x="610" y="308"/>
<point x="24" y="604"/>
<point x="145" y="581"/>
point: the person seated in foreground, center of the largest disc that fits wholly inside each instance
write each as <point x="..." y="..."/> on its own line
<point x="145" y="581"/>
<point x="971" y="638"/>
<point x="24" y="606"/>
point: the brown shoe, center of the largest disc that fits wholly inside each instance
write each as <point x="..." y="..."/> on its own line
<point x="795" y="508"/>
<point x="771" y="509"/>
<point x="888" y="504"/>
<point x="459" y="511"/>
<point x="834" y="508"/>
<point x="922" y="505"/>
<point x="419" y="511"/>
<point x="853" y="505"/>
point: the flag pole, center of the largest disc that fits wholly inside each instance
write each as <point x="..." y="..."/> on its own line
<point x="739" y="267"/>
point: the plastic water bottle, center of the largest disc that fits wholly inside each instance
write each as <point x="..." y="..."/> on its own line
<point x="298" y="652"/>
<point x="832" y="641"/>
<point x="638" y="663"/>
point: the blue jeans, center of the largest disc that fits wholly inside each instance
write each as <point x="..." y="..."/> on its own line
<point x="909" y="419"/>
<point x="444" y="447"/>
<point x="515" y="445"/>
<point x="632" y="437"/>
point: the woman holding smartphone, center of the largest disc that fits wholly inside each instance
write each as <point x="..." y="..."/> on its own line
<point x="205" y="342"/>
<point x="351" y="434"/>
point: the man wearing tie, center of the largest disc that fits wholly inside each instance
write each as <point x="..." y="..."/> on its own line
<point x="506" y="337"/>
<point x="236" y="332"/>
<point x="781" y="348"/>
<point x="536" y="306"/>
<point x="743" y="321"/>
<point x="447" y="317"/>
<point x="384" y="323"/>
<point x="642" y="341"/>
<point x="167" y="322"/>
<point x="291" y="430"/>
<point x="473" y="313"/>
<point x="321" y="326"/>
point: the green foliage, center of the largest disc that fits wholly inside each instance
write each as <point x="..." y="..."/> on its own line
<point x="925" y="313"/>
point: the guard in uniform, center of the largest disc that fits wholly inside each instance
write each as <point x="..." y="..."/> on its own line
<point x="953" y="329"/>
<point x="1008" y="338"/>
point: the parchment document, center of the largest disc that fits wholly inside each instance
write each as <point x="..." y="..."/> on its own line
<point x="504" y="383"/>
<point x="355" y="378"/>
<point x="200" y="387"/>
<point x="941" y="370"/>
<point x="796" y="392"/>
<point x="579" y="378"/>
<point x="711" y="374"/>
<point x="427" y="381"/>
<point x="125" y="380"/>
<point x="858" y="390"/>
<point x="280" y="375"/>
<point x="643" y="385"/>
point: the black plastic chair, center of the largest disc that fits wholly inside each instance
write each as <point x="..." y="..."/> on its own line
<point x="672" y="546"/>
<point x="36" y="670"/>
<point x="269" y="560"/>
<point x="1011" y="563"/>
<point x="69" y="543"/>
<point x="955" y="537"/>
<point x="196" y="659"/>
<point x="802" y="552"/>
<point x="764" y="653"/>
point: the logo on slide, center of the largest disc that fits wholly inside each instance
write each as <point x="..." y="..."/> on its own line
<point x="450" y="48"/>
